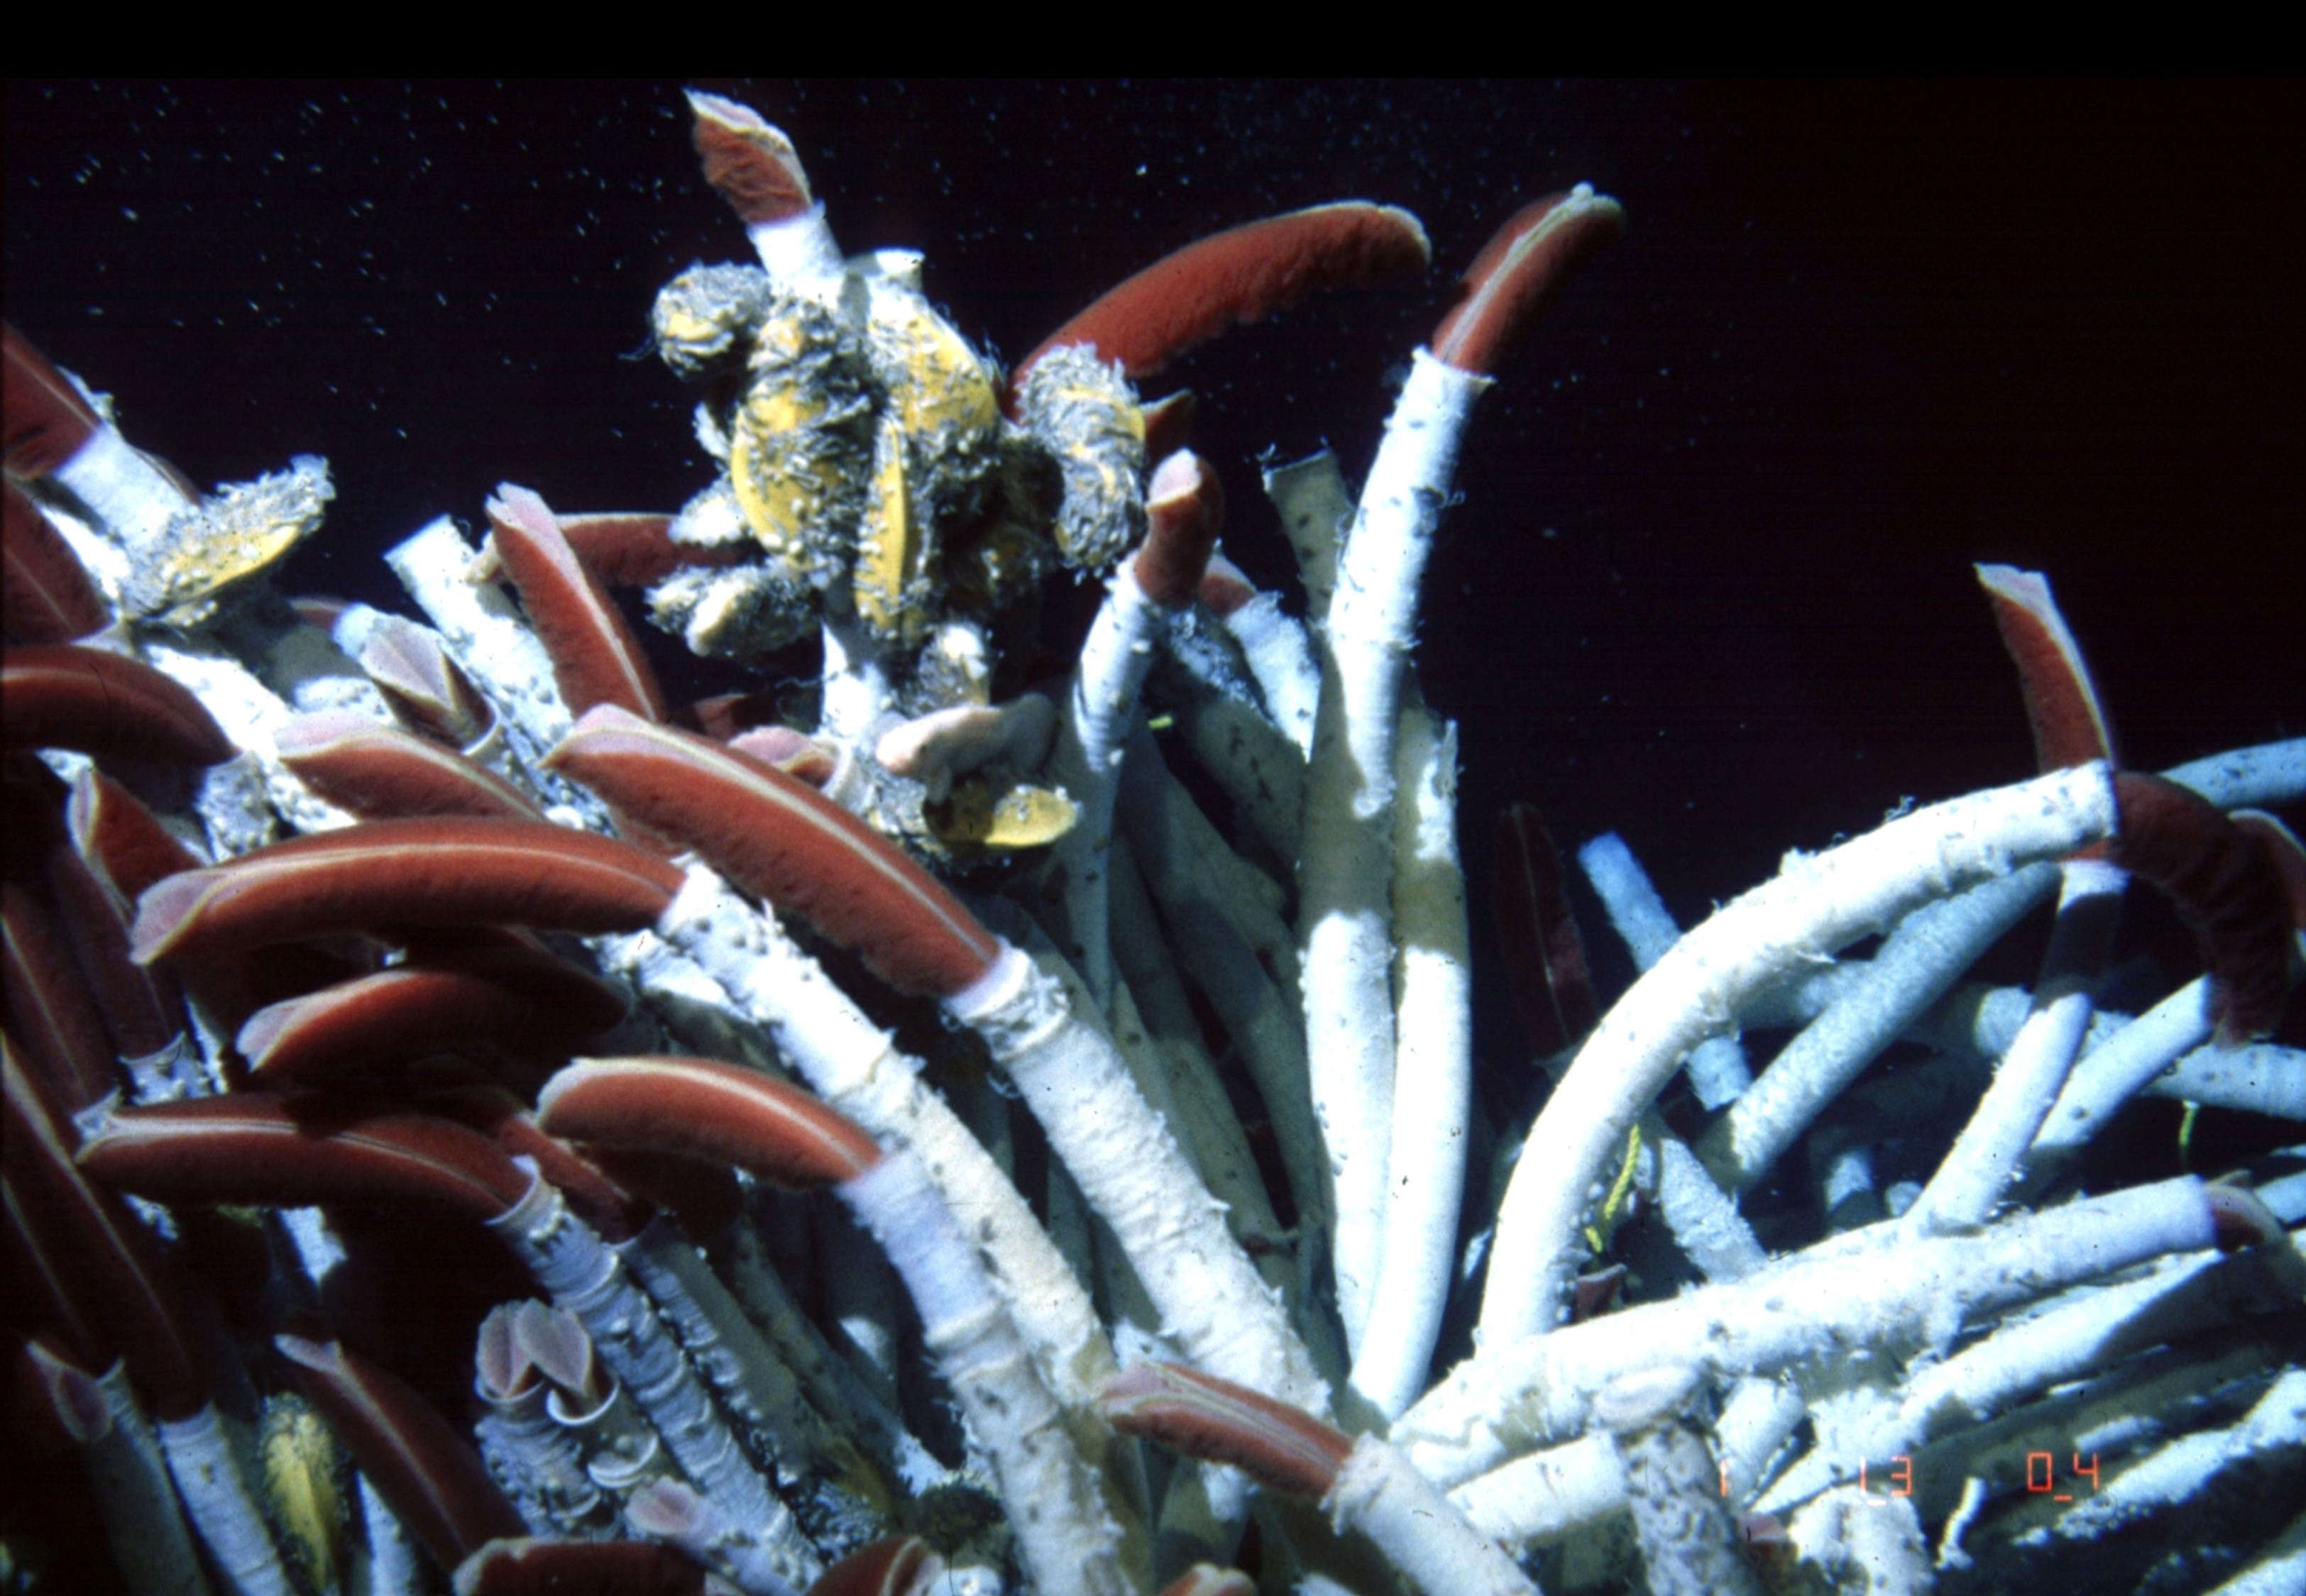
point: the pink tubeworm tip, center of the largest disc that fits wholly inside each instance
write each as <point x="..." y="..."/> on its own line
<point x="46" y="594"/>
<point x="946" y="743"/>
<point x="428" y="1473"/>
<point x="382" y="772"/>
<point x="782" y="840"/>
<point x="435" y="871"/>
<point x="1184" y="505"/>
<point x="1169" y="423"/>
<point x="320" y="610"/>
<point x="68" y="695"/>
<point x="1526" y="263"/>
<point x="1593" y="1295"/>
<point x="47" y="420"/>
<point x="697" y="1108"/>
<point x="73" y="1395"/>
<point x="749" y="162"/>
<point x="1226" y="587"/>
<point x="795" y="753"/>
<point x="596" y="659"/>
<point x="425" y="689"/>
<point x="2227" y="888"/>
<point x="723" y="715"/>
<point x="501" y="1370"/>
<point x="1243" y="273"/>
<point x="2061" y="703"/>
<point x="900" y="1566"/>
<point x="2240" y="1218"/>
<point x="1204" y="1417"/>
<point x="554" y="1342"/>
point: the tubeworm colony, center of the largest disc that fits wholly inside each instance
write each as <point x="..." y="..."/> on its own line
<point x="902" y="1021"/>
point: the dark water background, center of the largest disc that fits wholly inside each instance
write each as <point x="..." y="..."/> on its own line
<point x="1710" y="585"/>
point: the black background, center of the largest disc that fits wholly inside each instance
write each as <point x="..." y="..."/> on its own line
<point x="1710" y="582"/>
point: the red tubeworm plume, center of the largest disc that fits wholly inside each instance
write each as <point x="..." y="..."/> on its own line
<point x="65" y="696"/>
<point x="430" y="1473"/>
<point x="702" y="1109"/>
<point x="46" y="595"/>
<point x="749" y="163"/>
<point x="47" y="421"/>
<point x="632" y="549"/>
<point x="1243" y="274"/>
<point x="1518" y="272"/>
<point x="1185" y="508"/>
<point x="1202" y="1416"/>
<point x="291" y="1152"/>
<point x="513" y="994"/>
<point x="783" y="840"/>
<point x="595" y="657"/>
<point x="2226" y="886"/>
<point x="2060" y="701"/>
<point x="97" y="1261"/>
<point x="437" y="871"/>
<point x="537" y="1567"/>
<point x="900" y="1566"/>
<point x="382" y="772"/>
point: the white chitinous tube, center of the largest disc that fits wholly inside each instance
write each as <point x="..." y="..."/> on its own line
<point x="1092" y="734"/>
<point x="1986" y="1159"/>
<point x="855" y="683"/>
<point x="856" y="1066"/>
<point x="670" y="1511"/>
<point x="1130" y="1167"/>
<point x="1433" y="974"/>
<point x="1345" y="877"/>
<point x="1816" y="905"/>
<point x="1378" y="1493"/>
<point x="1717" y="1068"/>
<point x="571" y="1262"/>
<point x="1876" y="1289"/>
<point x="216" y="1498"/>
<point x="2117" y="1070"/>
<point x="487" y="639"/>
<point x="1067" y="1541"/>
<point x="1864" y="1540"/>
<point x="1689" y="1543"/>
<point x="1911" y="969"/>
<point x="1363" y="1484"/>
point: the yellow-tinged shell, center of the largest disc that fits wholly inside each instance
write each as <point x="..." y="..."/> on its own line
<point x="800" y="442"/>
<point x="707" y="316"/>
<point x="305" y="1472"/>
<point x="943" y="394"/>
<point x="240" y="532"/>
<point x="1085" y="413"/>
<point x="892" y="543"/>
<point x="976" y="816"/>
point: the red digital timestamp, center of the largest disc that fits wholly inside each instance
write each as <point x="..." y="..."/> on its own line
<point x="1897" y="1479"/>
<point x="2042" y="1475"/>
